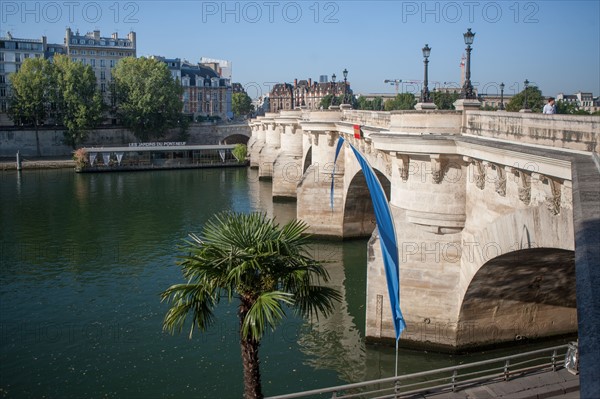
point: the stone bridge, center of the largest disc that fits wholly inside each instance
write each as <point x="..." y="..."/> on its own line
<point x="497" y="215"/>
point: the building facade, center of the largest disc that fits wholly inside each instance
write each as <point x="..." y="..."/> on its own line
<point x="581" y="100"/>
<point x="205" y="92"/>
<point x="13" y="51"/>
<point x="101" y="53"/>
<point x="305" y="93"/>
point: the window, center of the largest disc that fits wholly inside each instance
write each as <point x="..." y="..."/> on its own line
<point x="81" y="41"/>
<point x="103" y="87"/>
<point x="102" y="75"/>
<point x="83" y="61"/>
<point x="121" y="43"/>
<point x="3" y="92"/>
<point x="93" y="63"/>
<point x="112" y="63"/>
<point x="1" y="56"/>
<point x="91" y="42"/>
<point x="112" y="43"/>
<point x="103" y="53"/>
<point x="92" y="52"/>
<point x="74" y="52"/>
<point x="83" y="52"/>
<point x="102" y="63"/>
<point x="17" y="57"/>
<point x="103" y="42"/>
<point x="38" y="55"/>
<point x="2" y="79"/>
<point x="25" y="56"/>
<point x="73" y="41"/>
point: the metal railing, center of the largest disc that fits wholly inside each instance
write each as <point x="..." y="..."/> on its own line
<point x="444" y="379"/>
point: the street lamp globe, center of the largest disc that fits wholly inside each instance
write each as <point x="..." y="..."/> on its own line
<point x="345" y="72"/>
<point x="469" y="37"/>
<point x="426" y="51"/>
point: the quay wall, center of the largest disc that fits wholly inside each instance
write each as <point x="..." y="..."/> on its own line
<point x="51" y="140"/>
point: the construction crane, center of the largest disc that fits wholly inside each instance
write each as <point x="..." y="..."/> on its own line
<point x="397" y="82"/>
<point x="394" y="82"/>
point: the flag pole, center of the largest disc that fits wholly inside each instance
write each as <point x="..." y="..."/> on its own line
<point x="396" y="371"/>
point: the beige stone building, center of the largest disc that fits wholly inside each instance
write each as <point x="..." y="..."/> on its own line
<point x="101" y="53"/>
<point x="305" y="93"/>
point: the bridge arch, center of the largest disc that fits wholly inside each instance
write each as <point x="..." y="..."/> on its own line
<point x="236" y="138"/>
<point x="359" y="215"/>
<point x="521" y="282"/>
<point x="522" y="294"/>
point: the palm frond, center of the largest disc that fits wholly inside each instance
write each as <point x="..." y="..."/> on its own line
<point x="314" y="300"/>
<point x="185" y="299"/>
<point x="267" y="311"/>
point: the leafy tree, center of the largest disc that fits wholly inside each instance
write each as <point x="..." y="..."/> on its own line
<point x="148" y="98"/>
<point x="329" y="100"/>
<point x="567" y="107"/>
<point x="378" y="104"/>
<point x="444" y="100"/>
<point x="78" y="103"/>
<point x="363" y="103"/>
<point x="402" y="101"/>
<point x="535" y="100"/>
<point x="264" y="266"/>
<point x="240" y="151"/>
<point x="241" y="104"/>
<point x="31" y="94"/>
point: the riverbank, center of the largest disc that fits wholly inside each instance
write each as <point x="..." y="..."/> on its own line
<point x="37" y="163"/>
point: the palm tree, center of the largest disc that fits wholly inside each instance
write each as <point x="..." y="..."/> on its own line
<point x="265" y="266"/>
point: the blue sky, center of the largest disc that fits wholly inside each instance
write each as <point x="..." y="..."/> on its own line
<point x="554" y="44"/>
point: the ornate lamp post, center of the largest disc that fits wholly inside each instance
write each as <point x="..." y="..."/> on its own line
<point x="525" y="105"/>
<point x="467" y="90"/>
<point x="425" y="92"/>
<point x="334" y="89"/>
<point x="345" y="73"/>
<point x="501" y="97"/>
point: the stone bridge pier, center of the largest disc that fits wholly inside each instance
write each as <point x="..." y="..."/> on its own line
<point x="287" y="167"/>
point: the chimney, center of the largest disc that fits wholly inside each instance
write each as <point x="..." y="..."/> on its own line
<point x="96" y="34"/>
<point x="115" y="35"/>
<point x="309" y="82"/>
<point x="295" y="83"/>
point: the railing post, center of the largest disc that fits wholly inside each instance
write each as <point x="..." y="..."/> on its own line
<point x="506" y="369"/>
<point x="554" y="360"/>
<point x="396" y="388"/>
<point x="454" y="374"/>
<point x="334" y="395"/>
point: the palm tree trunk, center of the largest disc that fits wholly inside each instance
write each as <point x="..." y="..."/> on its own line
<point x="252" y="386"/>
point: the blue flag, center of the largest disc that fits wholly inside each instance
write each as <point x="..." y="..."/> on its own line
<point x="387" y="233"/>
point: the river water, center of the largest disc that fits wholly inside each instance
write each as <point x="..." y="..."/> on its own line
<point x="84" y="257"/>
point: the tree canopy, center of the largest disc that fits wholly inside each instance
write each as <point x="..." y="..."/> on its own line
<point x="31" y="94"/>
<point x="241" y="104"/>
<point x="375" y="104"/>
<point x="401" y="102"/>
<point x="79" y="104"/>
<point x="444" y="100"/>
<point x="535" y="100"/>
<point x="147" y="96"/>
